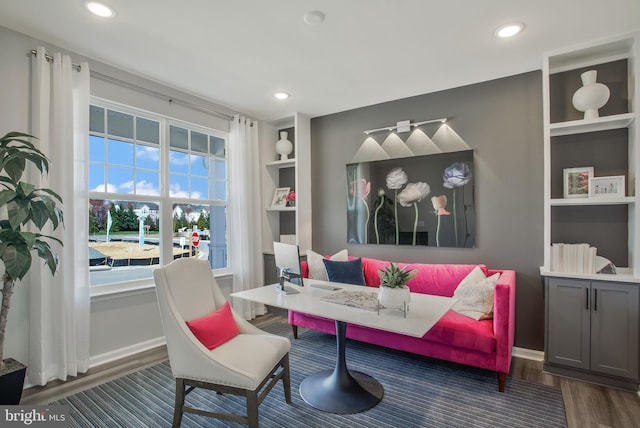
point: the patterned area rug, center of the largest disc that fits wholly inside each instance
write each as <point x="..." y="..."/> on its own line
<point x="418" y="392"/>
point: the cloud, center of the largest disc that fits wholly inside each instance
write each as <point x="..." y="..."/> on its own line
<point x="110" y="188"/>
<point x="146" y="152"/>
<point x="143" y="187"/>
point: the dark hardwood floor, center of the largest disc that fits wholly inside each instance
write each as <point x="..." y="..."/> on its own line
<point x="586" y="405"/>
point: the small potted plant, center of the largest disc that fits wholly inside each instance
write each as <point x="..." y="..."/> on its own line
<point x="394" y="292"/>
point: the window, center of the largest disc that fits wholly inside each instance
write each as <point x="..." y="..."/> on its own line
<point x="145" y="169"/>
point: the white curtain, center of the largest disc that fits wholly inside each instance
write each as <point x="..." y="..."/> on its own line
<point x="59" y="305"/>
<point x="245" y="228"/>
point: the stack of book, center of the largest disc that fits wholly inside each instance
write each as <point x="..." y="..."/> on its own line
<point x="573" y="258"/>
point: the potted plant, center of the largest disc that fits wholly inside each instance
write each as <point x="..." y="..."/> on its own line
<point x="24" y="208"/>
<point x="394" y="292"/>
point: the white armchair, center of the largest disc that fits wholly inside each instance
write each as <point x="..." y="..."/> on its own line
<point x="250" y="364"/>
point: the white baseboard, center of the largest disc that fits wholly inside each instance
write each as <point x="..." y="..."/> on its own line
<point x="107" y="357"/>
<point x="528" y="354"/>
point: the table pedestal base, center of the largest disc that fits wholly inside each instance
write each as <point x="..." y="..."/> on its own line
<point x="339" y="390"/>
<point x="328" y="392"/>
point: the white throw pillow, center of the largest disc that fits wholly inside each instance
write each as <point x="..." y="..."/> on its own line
<point x="475" y="295"/>
<point x="316" y="266"/>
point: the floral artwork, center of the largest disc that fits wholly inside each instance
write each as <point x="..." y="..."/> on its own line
<point x="420" y="201"/>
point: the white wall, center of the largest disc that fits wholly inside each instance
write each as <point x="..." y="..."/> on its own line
<point x="122" y="323"/>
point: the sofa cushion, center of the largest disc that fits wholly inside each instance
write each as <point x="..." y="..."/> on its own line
<point x="475" y="295"/>
<point x="463" y="332"/>
<point x="349" y="272"/>
<point x="437" y="279"/>
<point x="316" y="266"/>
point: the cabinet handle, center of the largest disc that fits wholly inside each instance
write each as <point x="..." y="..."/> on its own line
<point x="586" y="291"/>
<point x="595" y="299"/>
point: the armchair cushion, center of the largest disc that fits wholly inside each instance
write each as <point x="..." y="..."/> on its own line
<point x="216" y="328"/>
<point x="349" y="272"/>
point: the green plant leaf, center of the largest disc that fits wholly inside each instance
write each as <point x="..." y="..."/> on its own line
<point x="18" y="211"/>
<point x="17" y="261"/>
<point x="6" y="196"/>
<point x="45" y="253"/>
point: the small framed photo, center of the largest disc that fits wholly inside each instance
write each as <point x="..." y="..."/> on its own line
<point x="576" y="181"/>
<point x="280" y="197"/>
<point x="607" y="187"/>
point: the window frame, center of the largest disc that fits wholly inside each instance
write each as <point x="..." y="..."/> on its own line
<point x="164" y="200"/>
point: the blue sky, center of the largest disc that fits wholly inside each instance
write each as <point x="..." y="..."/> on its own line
<point x="118" y="161"/>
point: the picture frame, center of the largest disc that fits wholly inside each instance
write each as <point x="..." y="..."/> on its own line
<point x="280" y="197"/>
<point x="576" y="182"/>
<point x="607" y="187"/>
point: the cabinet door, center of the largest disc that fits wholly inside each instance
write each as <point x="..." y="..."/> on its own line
<point x="614" y="329"/>
<point x="567" y="329"/>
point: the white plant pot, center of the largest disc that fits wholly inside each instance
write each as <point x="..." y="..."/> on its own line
<point x="394" y="297"/>
<point x="591" y="96"/>
<point x="284" y="147"/>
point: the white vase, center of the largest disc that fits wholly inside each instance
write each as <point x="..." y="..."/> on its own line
<point x="591" y="96"/>
<point x="284" y="147"/>
<point x="394" y="297"/>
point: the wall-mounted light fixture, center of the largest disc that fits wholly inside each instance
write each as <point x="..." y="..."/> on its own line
<point x="405" y="126"/>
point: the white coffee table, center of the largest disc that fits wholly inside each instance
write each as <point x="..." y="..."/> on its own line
<point x="340" y="390"/>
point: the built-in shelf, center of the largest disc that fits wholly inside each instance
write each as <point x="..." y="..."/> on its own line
<point x="287" y="163"/>
<point x="617" y="121"/>
<point x="626" y="200"/>
<point x="282" y="209"/>
<point x="623" y="275"/>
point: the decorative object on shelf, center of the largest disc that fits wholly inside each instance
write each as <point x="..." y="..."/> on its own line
<point x="280" y="197"/>
<point x="573" y="258"/>
<point x="591" y="96"/>
<point x="291" y="199"/>
<point x="607" y="187"/>
<point x="288" y="239"/>
<point x="284" y="147"/>
<point x="576" y="181"/>
<point x="604" y="265"/>
<point x="394" y="292"/>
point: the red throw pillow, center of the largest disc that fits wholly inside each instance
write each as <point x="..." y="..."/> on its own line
<point x="216" y="328"/>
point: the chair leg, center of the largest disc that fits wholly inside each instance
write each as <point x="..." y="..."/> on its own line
<point x="252" y="409"/>
<point x="295" y="331"/>
<point x="177" y="411"/>
<point x="502" y="381"/>
<point x="286" y="380"/>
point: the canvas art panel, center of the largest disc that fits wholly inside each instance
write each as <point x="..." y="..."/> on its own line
<point x="419" y="200"/>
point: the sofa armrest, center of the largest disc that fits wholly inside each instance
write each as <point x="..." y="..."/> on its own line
<point x="504" y="318"/>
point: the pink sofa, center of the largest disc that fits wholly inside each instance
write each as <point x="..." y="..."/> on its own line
<point x="486" y="344"/>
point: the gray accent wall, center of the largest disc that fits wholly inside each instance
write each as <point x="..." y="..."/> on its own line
<point x="501" y="120"/>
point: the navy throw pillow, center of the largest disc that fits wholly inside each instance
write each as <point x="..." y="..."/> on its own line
<point x="349" y="272"/>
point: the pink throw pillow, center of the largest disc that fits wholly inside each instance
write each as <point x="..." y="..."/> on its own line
<point x="216" y="328"/>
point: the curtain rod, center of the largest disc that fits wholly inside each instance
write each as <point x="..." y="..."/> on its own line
<point x="144" y="90"/>
<point x="157" y="94"/>
<point x="49" y="58"/>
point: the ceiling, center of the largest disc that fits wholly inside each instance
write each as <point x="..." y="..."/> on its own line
<point x="237" y="53"/>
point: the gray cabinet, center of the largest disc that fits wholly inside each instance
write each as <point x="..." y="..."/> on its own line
<point x="591" y="328"/>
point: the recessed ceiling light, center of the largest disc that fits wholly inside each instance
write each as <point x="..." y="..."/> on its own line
<point x="313" y="18"/>
<point x="100" y="9"/>
<point x="281" y="95"/>
<point x="509" y="30"/>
